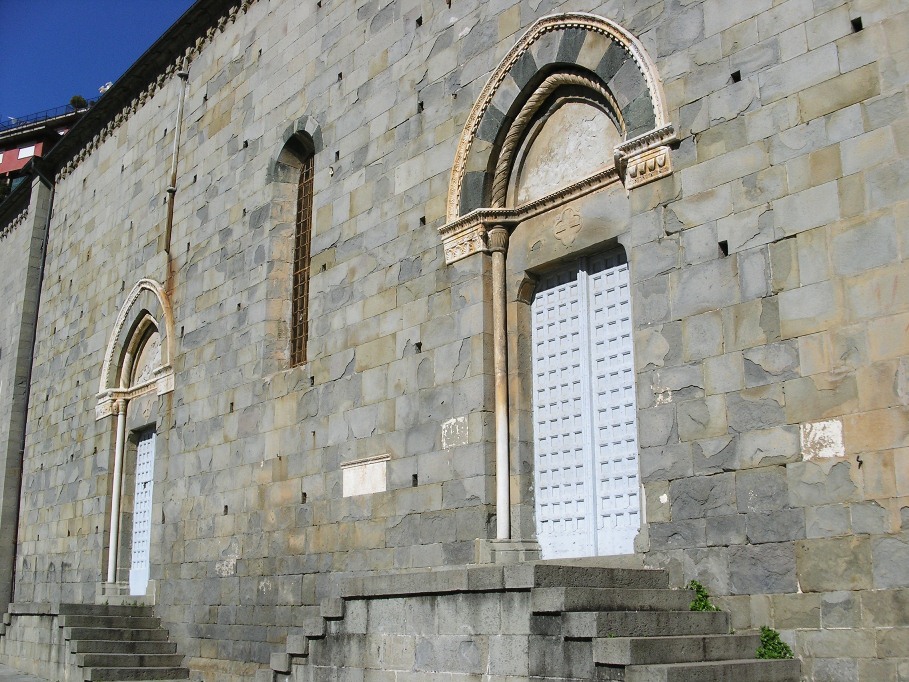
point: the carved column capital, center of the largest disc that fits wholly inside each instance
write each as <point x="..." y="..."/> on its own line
<point x="498" y="239"/>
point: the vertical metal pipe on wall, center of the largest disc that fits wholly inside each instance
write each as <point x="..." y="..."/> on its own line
<point x="498" y="245"/>
<point x="183" y="74"/>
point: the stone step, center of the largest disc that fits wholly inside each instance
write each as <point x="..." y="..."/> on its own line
<point x="129" y="660"/>
<point x="121" y="634"/>
<point x="571" y="574"/>
<point x="717" y="671"/>
<point x="107" y="646"/>
<point x="106" y="610"/>
<point x="128" y="674"/>
<point x="583" y="625"/>
<point x="557" y="599"/>
<point x="122" y="622"/>
<point x="673" y="649"/>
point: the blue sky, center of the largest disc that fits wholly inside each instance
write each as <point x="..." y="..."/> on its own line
<point x="54" y="49"/>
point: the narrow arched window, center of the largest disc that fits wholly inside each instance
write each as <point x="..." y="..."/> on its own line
<point x="302" y="238"/>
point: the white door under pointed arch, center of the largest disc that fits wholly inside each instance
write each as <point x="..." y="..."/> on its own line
<point x="585" y="457"/>
<point x="142" y="514"/>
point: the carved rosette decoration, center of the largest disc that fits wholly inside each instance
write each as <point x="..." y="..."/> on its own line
<point x="588" y="53"/>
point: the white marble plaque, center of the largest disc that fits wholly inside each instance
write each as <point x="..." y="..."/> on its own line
<point x="365" y="476"/>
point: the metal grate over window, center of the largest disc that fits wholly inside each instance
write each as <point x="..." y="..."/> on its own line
<point x="300" y="295"/>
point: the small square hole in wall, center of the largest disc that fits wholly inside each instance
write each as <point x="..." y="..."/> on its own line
<point x="414" y="481"/>
<point x="337" y="156"/>
<point x="736" y="76"/>
<point x="857" y="24"/>
<point x="724" y="248"/>
<point x="340" y="76"/>
<point x="420" y="106"/>
<point x="319" y="3"/>
<point x="419" y="21"/>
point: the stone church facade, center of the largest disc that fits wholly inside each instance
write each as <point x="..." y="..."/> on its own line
<point x="347" y="305"/>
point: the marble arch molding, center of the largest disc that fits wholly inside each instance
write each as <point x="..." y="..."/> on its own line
<point x="594" y="53"/>
<point x="146" y="305"/>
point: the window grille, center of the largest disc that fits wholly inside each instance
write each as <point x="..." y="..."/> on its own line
<point x="300" y="296"/>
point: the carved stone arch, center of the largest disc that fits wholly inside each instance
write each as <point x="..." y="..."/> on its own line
<point x="304" y="134"/>
<point x="146" y="305"/>
<point x="592" y="48"/>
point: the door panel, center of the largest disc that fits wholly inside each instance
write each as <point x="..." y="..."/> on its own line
<point x="587" y="495"/>
<point x="142" y="514"/>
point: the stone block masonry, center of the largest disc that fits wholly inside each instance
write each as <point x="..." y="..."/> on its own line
<point x="769" y="292"/>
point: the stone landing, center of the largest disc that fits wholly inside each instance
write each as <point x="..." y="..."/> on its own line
<point x="556" y="621"/>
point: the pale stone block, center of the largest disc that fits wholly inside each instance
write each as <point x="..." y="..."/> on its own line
<point x="760" y="188"/>
<point x="860" y="48"/>
<point x="840" y="92"/>
<point x="724" y="168"/>
<point x="784" y="16"/>
<point x="816" y="168"/>
<point x="723" y="373"/>
<point x="807" y="209"/>
<point x="874" y="294"/>
<point x="852" y="195"/>
<point x="821" y="395"/>
<point x="719" y="16"/>
<point x="771" y="119"/>
<point x="793" y="42"/>
<point x="868" y="150"/>
<point x="827" y="27"/>
<point x="814" y="256"/>
<point x="784" y="266"/>
<point x="700" y="208"/>
<point x="809" y="309"/>
<point x="799" y="73"/>
<point x="876" y="430"/>
<point x="747" y="229"/>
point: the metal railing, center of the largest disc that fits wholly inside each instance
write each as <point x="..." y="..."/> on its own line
<point x="18" y="121"/>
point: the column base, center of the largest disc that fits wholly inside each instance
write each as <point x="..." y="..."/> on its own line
<point x="505" y="551"/>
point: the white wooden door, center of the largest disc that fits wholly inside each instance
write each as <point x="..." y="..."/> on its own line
<point x="586" y="469"/>
<point x="142" y="514"/>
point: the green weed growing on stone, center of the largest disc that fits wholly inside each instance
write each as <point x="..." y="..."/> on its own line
<point x="701" y="598"/>
<point x="771" y="645"/>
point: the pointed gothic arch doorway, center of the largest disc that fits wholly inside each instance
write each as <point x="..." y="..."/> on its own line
<point x="135" y="373"/>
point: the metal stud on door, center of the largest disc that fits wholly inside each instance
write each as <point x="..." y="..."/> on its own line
<point x="142" y="514"/>
<point x="587" y="495"/>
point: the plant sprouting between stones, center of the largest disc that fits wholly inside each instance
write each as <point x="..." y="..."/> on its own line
<point x="771" y="645"/>
<point x="701" y="600"/>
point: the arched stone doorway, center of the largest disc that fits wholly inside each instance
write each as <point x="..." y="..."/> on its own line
<point x="569" y="123"/>
<point x="137" y="370"/>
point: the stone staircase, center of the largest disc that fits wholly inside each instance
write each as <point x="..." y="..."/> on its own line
<point x="120" y="642"/>
<point x="574" y="620"/>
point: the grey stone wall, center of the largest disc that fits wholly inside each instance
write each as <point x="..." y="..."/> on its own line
<point x="21" y="241"/>
<point x="792" y="155"/>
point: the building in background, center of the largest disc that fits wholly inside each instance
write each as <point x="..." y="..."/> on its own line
<point x="29" y="136"/>
<point x="329" y="320"/>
